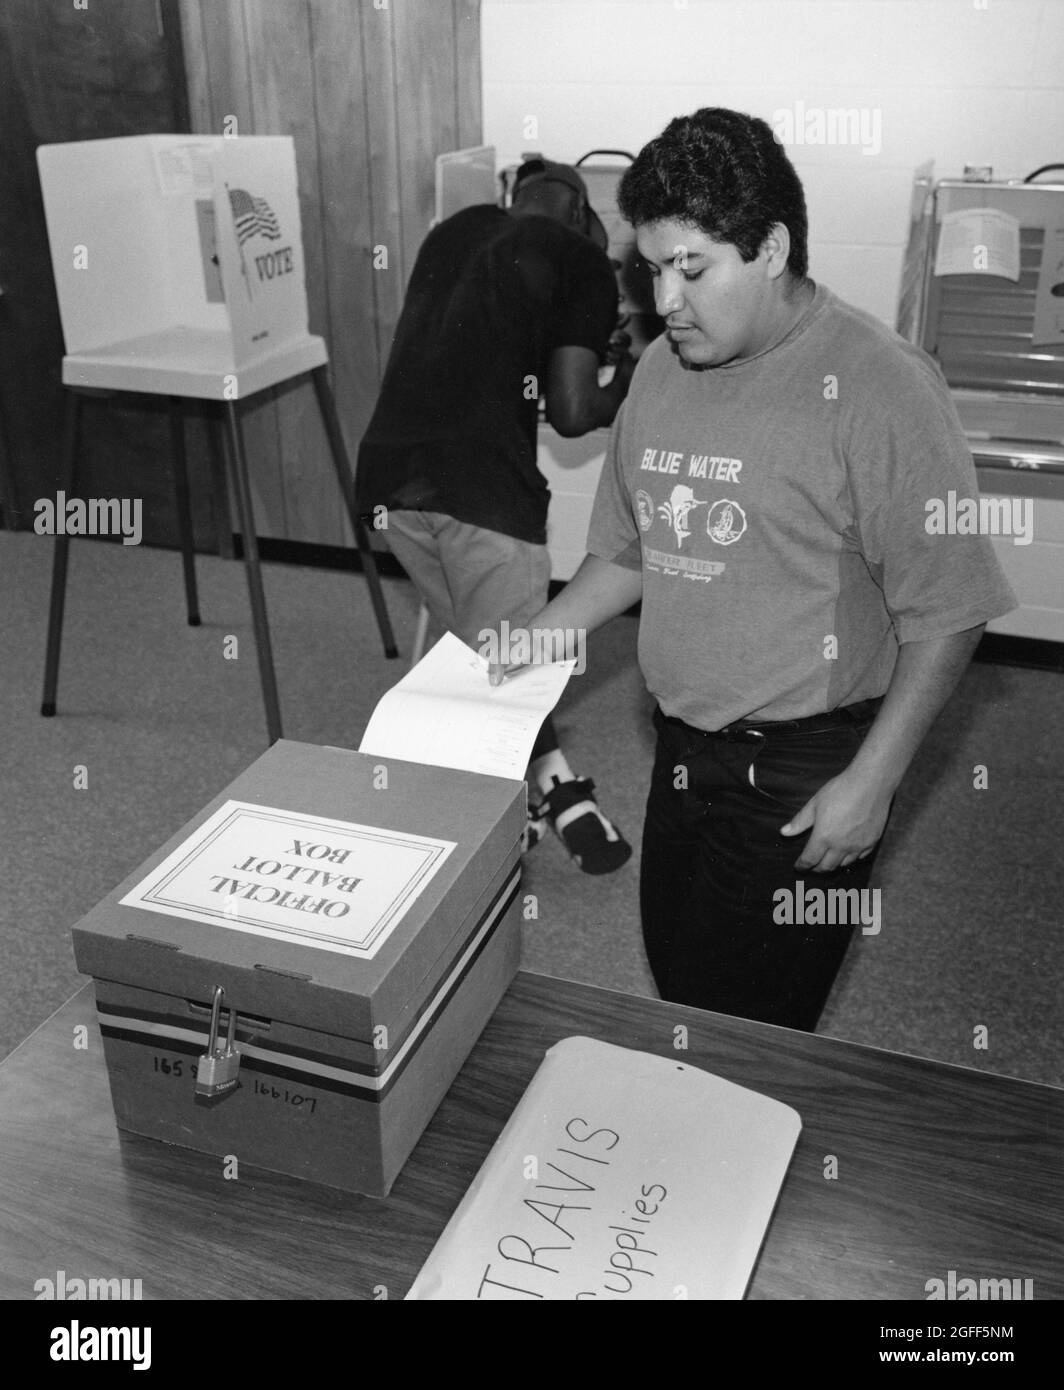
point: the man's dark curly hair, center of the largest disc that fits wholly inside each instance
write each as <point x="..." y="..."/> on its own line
<point x="723" y="172"/>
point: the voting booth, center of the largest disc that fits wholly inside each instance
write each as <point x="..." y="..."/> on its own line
<point x="362" y="921"/>
<point x="178" y="262"/>
<point x="179" y="270"/>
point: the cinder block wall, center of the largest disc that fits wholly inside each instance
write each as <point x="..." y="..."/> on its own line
<point x="964" y="81"/>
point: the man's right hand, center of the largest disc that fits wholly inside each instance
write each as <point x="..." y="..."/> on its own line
<point x="497" y="672"/>
<point x="493" y="648"/>
<point x="598" y="591"/>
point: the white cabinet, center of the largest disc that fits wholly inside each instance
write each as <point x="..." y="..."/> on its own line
<point x="1035" y="569"/>
<point x="571" y="468"/>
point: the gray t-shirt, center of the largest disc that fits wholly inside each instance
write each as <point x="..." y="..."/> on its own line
<point x="777" y="508"/>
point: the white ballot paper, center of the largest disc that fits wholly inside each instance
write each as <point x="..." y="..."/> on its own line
<point x="979" y="241"/>
<point x="445" y="713"/>
<point x="621" y="1176"/>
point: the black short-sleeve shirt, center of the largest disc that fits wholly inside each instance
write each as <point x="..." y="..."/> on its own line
<point x="491" y="296"/>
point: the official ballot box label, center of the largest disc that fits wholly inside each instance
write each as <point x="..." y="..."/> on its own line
<point x="324" y="883"/>
<point x="363" y="932"/>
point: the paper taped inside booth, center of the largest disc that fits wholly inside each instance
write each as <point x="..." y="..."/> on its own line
<point x="621" y="1176"/>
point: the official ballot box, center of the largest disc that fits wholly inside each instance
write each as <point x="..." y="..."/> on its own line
<point x="178" y="263"/>
<point x="363" y="920"/>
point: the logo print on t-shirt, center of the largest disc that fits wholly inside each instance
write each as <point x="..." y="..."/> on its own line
<point x="726" y="522"/>
<point x="644" y="510"/>
<point x="676" y="509"/>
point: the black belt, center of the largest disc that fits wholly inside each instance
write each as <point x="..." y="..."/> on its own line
<point x="859" y="713"/>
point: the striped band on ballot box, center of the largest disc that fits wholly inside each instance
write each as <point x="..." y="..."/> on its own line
<point x="369" y="1082"/>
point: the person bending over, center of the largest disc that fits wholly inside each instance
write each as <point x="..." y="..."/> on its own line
<point x="502" y="306"/>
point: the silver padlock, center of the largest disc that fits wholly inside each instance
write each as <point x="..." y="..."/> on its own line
<point x="218" y="1067"/>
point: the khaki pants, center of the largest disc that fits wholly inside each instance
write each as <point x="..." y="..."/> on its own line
<point x="470" y="579"/>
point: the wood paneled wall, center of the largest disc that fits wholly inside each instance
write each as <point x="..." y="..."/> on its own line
<point x="371" y="91"/>
<point x="78" y="74"/>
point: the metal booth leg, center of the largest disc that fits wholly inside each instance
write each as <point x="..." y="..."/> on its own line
<point x="67" y="470"/>
<point x="342" y="464"/>
<point x="246" y="519"/>
<point x="219" y="489"/>
<point x="184" y="509"/>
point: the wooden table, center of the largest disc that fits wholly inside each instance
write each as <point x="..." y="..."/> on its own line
<point x="939" y="1168"/>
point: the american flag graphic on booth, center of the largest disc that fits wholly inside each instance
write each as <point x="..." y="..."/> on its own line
<point x="252" y="216"/>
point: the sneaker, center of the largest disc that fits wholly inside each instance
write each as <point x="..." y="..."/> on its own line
<point x="535" y="829"/>
<point x="570" y="809"/>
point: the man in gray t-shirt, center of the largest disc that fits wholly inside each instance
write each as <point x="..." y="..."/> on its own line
<point x="766" y="495"/>
<point x="776" y="507"/>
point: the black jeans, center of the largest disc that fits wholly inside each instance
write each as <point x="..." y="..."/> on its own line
<point x="713" y="859"/>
